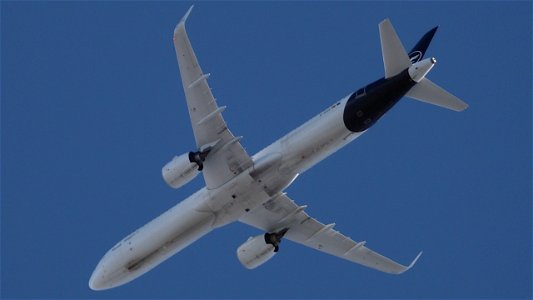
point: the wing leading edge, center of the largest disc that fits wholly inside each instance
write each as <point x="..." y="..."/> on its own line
<point x="282" y="212"/>
<point x="227" y="158"/>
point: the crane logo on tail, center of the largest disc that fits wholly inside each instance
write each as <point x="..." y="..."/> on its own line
<point x="415" y="56"/>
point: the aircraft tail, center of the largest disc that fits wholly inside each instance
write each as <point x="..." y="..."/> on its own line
<point x="396" y="60"/>
<point x="427" y="91"/>
<point x="417" y="53"/>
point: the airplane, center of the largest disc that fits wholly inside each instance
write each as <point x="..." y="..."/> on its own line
<point x="250" y="189"/>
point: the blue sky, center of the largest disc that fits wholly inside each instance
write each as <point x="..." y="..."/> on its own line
<point x="92" y="108"/>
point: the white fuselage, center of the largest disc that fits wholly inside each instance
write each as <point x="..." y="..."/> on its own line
<point x="275" y="168"/>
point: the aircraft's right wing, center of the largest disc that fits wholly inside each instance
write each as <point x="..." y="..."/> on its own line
<point x="281" y="212"/>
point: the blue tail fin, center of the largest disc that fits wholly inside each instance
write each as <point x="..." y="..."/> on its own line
<point x="417" y="53"/>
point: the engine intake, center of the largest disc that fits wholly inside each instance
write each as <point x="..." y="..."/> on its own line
<point x="259" y="249"/>
<point x="180" y="171"/>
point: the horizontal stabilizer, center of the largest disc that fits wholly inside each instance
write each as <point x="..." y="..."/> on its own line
<point x="395" y="57"/>
<point x="427" y="91"/>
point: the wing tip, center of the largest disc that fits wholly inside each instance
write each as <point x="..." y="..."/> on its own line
<point x="404" y="269"/>
<point x="184" y="18"/>
<point x="463" y="106"/>
<point x="413" y="262"/>
<point x="181" y="24"/>
<point x="384" y="21"/>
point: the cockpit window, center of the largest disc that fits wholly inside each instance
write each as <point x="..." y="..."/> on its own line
<point x="116" y="246"/>
<point x="360" y="92"/>
<point x="130" y="236"/>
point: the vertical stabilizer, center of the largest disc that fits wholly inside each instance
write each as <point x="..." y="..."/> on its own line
<point x="395" y="58"/>
<point x="418" y="51"/>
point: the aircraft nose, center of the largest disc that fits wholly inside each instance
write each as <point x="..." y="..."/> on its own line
<point x="107" y="275"/>
<point x="101" y="279"/>
<point x="97" y="280"/>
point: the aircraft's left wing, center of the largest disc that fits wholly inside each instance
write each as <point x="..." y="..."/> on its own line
<point x="227" y="157"/>
<point x="281" y="212"/>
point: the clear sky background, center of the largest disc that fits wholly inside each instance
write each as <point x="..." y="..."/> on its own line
<point x="92" y="108"/>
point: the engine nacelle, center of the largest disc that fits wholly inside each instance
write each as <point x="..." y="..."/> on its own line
<point x="179" y="171"/>
<point x="255" y="252"/>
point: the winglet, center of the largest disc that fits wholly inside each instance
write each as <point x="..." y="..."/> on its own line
<point x="414" y="262"/>
<point x="181" y="23"/>
<point x="184" y="18"/>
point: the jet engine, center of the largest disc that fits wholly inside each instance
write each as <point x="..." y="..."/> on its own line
<point x="259" y="249"/>
<point x="180" y="170"/>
